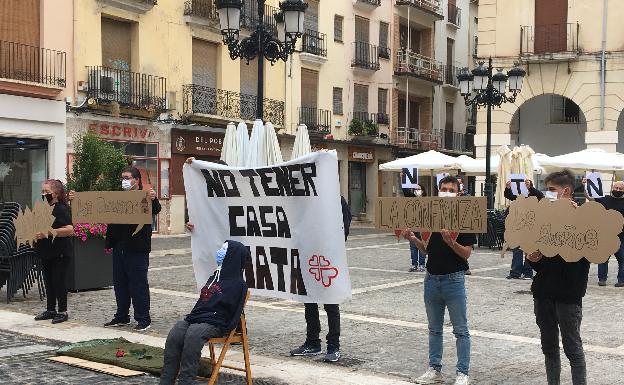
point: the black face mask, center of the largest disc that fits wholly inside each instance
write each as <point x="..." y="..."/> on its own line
<point x="617" y="194"/>
<point x="47" y="197"/>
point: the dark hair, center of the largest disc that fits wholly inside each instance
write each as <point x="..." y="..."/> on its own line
<point x="136" y="174"/>
<point x="563" y="178"/>
<point x="449" y="179"/>
<point x="57" y="187"/>
<point x="423" y="189"/>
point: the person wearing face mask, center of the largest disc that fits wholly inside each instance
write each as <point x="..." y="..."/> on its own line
<point x="615" y="201"/>
<point x="55" y="254"/>
<point x="131" y="261"/>
<point x="558" y="290"/>
<point x="215" y="314"/>
<point x="445" y="289"/>
<point x="418" y="258"/>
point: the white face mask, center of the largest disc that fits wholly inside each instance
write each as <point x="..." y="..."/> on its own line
<point x="126" y="184"/>
<point x="418" y="193"/>
<point x="446" y="194"/>
<point x="551" y="195"/>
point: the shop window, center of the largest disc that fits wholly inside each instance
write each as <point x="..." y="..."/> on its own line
<point x="23" y="168"/>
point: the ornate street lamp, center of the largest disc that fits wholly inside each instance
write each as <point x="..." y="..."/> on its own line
<point x="482" y="89"/>
<point x="262" y="43"/>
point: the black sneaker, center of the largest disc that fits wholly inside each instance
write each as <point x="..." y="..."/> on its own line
<point x="114" y="323"/>
<point x="468" y="272"/>
<point x="141" y="327"/>
<point x="306" y="350"/>
<point x="514" y="276"/>
<point x="413" y="269"/>
<point x="46" y="315"/>
<point x="60" y="317"/>
<point x="333" y="355"/>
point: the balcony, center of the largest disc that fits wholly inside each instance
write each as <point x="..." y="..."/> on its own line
<point x="249" y="16"/>
<point x="367" y="4"/>
<point x="424" y="140"/>
<point x="431" y="7"/>
<point x="457" y="142"/>
<point x="450" y="75"/>
<point x="131" y="90"/>
<point x="216" y="104"/>
<point x="454" y="15"/>
<point x="137" y="6"/>
<point x="413" y="64"/>
<point x="31" y="71"/>
<point x="549" y="42"/>
<point x="365" y="56"/>
<point x="201" y="13"/>
<point x="315" y="119"/>
<point x="384" y="52"/>
<point x="314" y="48"/>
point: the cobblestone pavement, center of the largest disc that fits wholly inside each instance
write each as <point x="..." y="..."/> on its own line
<point x="384" y="327"/>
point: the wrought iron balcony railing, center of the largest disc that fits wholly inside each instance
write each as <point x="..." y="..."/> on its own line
<point x="129" y="89"/>
<point x="32" y="64"/>
<point x="450" y="75"/>
<point x="457" y="141"/>
<point x="201" y="8"/>
<point x="229" y="104"/>
<point x="314" y="42"/>
<point x="432" y="6"/>
<point x="549" y="39"/>
<point x="416" y="139"/>
<point x="365" y="56"/>
<point x="249" y="13"/>
<point x="454" y="15"/>
<point x="409" y="62"/>
<point x="375" y="3"/>
<point x="316" y="119"/>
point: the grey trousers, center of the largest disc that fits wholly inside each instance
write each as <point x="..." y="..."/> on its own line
<point x="551" y="317"/>
<point x="183" y="351"/>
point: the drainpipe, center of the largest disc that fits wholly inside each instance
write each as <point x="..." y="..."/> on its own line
<point x="603" y="64"/>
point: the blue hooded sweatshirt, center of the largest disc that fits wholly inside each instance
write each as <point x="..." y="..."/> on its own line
<point x="221" y="299"/>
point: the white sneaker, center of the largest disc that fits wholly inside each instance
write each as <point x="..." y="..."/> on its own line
<point x="431" y="376"/>
<point x="461" y="379"/>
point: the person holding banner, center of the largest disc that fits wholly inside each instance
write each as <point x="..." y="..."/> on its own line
<point x="445" y="289"/>
<point x="419" y="258"/>
<point x="131" y="261"/>
<point x="558" y="290"/>
<point x="615" y="201"/>
<point x="55" y="253"/>
<point x="520" y="267"/>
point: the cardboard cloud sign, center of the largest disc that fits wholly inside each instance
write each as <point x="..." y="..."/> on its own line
<point x="557" y="228"/>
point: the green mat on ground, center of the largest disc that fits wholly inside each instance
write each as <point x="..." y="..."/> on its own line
<point x="139" y="357"/>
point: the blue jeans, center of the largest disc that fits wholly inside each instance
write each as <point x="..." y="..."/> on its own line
<point x="603" y="268"/>
<point x="519" y="265"/>
<point x="447" y="291"/>
<point x="418" y="257"/>
<point x="131" y="286"/>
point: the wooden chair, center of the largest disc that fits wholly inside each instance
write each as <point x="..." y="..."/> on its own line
<point x="238" y="335"/>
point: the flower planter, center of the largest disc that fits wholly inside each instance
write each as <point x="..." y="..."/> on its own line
<point x="363" y="138"/>
<point x="91" y="267"/>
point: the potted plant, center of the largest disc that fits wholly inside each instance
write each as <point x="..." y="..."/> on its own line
<point x="359" y="129"/>
<point x="97" y="166"/>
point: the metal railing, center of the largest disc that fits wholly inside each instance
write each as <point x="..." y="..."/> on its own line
<point x="409" y="62"/>
<point x="376" y="3"/>
<point x="249" y="16"/>
<point x="229" y="104"/>
<point x="457" y="141"/>
<point x="416" y="139"/>
<point x="32" y="64"/>
<point x="314" y="42"/>
<point x="427" y="5"/>
<point x="129" y="89"/>
<point x="450" y="75"/>
<point x="545" y="39"/>
<point x="316" y="119"/>
<point x="384" y="52"/>
<point x="201" y="8"/>
<point x="365" y="56"/>
<point x="454" y="14"/>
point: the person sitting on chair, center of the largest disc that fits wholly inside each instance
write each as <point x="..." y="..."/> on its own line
<point x="216" y="313"/>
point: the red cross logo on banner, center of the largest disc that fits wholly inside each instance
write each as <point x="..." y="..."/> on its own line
<point x="322" y="270"/>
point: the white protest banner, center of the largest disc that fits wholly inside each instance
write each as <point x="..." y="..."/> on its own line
<point x="409" y="177"/>
<point x="518" y="185"/>
<point x="439" y="177"/>
<point x="593" y="186"/>
<point x="290" y="217"/>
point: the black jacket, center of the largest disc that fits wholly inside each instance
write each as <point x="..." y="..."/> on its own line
<point x="559" y="280"/>
<point x="221" y="302"/>
<point x="346" y="216"/>
<point x="120" y="236"/>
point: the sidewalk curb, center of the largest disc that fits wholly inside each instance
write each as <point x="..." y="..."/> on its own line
<point x="290" y="371"/>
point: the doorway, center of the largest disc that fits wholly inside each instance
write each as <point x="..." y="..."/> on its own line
<point x="357" y="188"/>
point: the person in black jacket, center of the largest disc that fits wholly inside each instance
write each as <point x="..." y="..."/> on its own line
<point x="419" y="258"/>
<point x="216" y="313"/>
<point x="558" y="290"/>
<point x="55" y="254"/>
<point x="520" y="267"/>
<point x="131" y="261"/>
<point x="312" y="344"/>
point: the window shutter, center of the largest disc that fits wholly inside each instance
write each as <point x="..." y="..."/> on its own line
<point x="337" y="103"/>
<point x="204" y="63"/>
<point x="116" y="48"/>
<point x="19" y="21"/>
<point x="311" y="16"/>
<point x="383" y="34"/>
<point x="249" y="77"/>
<point x="360" y="99"/>
<point x="337" y="28"/>
<point x="309" y="88"/>
<point x="382" y="100"/>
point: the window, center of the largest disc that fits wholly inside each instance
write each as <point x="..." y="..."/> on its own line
<point x="383" y="35"/>
<point x="204" y="63"/>
<point x="338" y="21"/>
<point x="382" y="100"/>
<point x="309" y="87"/>
<point x="360" y="98"/>
<point x="116" y="44"/>
<point x="337" y="97"/>
<point x="563" y="110"/>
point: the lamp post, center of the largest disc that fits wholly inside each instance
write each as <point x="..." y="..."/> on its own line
<point x="261" y="44"/>
<point x="482" y="89"/>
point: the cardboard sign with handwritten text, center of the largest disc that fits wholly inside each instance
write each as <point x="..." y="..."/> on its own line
<point x="461" y="214"/>
<point x="558" y="228"/>
<point x="119" y="207"/>
<point x="30" y="222"/>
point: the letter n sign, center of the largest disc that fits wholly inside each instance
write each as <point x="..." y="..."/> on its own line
<point x="409" y="177"/>
<point x="594" y="185"/>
